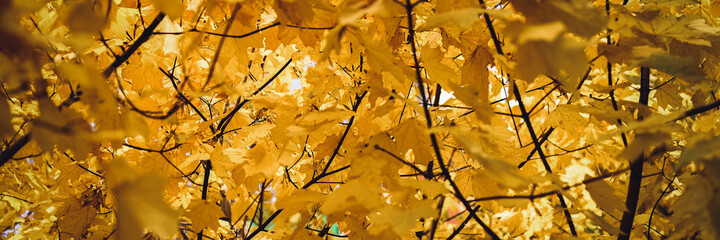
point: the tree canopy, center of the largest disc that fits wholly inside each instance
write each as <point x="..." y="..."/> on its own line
<point x="359" y="119"/>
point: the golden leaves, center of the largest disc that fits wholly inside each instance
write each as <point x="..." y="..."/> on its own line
<point x="700" y="148"/>
<point x="381" y="59"/>
<point x="432" y="58"/>
<point x="75" y="217"/>
<point x="402" y="219"/>
<point x="140" y="203"/>
<point x="567" y="117"/>
<point x="172" y="9"/>
<point x="411" y="135"/>
<point x="580" y="17"/>
<point x="463" y="18"/>
<point x="605" y="197"/>
<point x="562" y="57"/>
<point x="357" y="196"/>
<point x="681" y="67"/>
<point x="385" y="181"/>
<point x="82" y="17"/>
<point x="204" y="214"/>
<point x="64" y="128"/>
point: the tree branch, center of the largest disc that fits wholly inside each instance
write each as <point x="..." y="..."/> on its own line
<point x="218" y="51"/>
<point x="206" y="178"/>
<point x="665" y="191"/>
<point x="636" y="168"/>
<point x="226" y="120"/>
<point x="545" y="194"/>
<point x="429" y="122"/>
<point x="325" y="173"/>
<point x="134" y="47"/>
<point x="264" y="225"/>
<point x="10" y="151"/>
<point x="427" y="174"/>
<point x="699" y="110"/>
<point x="221" y="34"/>
<point x="538" y="148"/>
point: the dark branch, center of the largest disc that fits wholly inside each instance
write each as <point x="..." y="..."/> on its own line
<point x="538" y="148"/>
<point x="134" y="47"/>
<point x="226" y="120"/>
<point x="264" y="225"/>
<point x="545" y="194"/>
<point x="429" y="122"/>
<point x="325" y="173"/>
<point x="636" y="168"/>
<point x="10" y="151"/>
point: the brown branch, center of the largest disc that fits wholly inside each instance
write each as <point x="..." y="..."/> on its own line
<point x="462" y="224"/>
<point x="636" y="168"/>
<point x="153" y="150"/>
<point x="429" y="122"/>
<point x="427" y="174"/>
<point x="221" y="44"/>
<point x="83" y="167"/>
<point x="493" y="35"/>
<point x="538" y="147"/>
<point x="532" y="109"/>
<point x="436" y="221"/>
<point x="148" y="114"/>
<point x="699" y="110"/>
<point x="545" y="194"/>
<point x="563" y="153"/>
<point x="226" y="120"/>
<point x="665" y="191"/>
<point x="264" y="225"/>
<point x="221" y="34"/>
<point x="182" y="96"/>
<point x="11" y="150"/>
<point x="206" y="178"/>
<point x="242" y="35"/>
<point x="325" y="173"/>
<point x="134" y="47"/>
<point x="2" y="195"/>
<point x="543" y="138"/>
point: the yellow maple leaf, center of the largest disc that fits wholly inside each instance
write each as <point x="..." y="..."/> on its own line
<point x="432" y="62"/>
<point x="411" y="135"/>
<point x="75" y="217"/>
<point x="140" y="203"/>
<point x="204" y="214"/>
<point x="402" y="219"/>
<point x="171" y="8"/>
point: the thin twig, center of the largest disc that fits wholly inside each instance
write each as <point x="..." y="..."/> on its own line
<point x="325" y="173"/>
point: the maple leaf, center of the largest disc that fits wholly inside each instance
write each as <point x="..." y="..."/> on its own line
<point x="411" y="135"/>
<point x="204" y="214"/>
<point x="140" y="203"/>
<point x="78" y="213"/>
<point x="154" y="119"/>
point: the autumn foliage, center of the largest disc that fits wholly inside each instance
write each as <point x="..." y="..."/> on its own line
<point x="359" y="119"/>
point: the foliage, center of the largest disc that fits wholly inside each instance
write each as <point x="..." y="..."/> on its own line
<point x="383" y="119"/>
